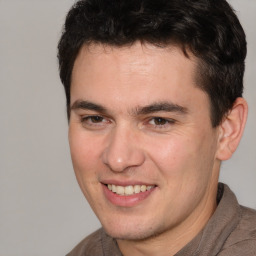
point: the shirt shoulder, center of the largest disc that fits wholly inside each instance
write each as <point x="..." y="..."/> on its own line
<point x="91" y="245"/>
<point x="242" y="240"/>
<point x="97" y="244"/>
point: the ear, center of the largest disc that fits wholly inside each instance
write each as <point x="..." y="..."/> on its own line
<point x="231" y="129"/>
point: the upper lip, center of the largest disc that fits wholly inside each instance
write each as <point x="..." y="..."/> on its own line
<point x="126" y="183"/>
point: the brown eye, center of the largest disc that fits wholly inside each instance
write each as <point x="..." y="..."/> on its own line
<point x="96" y="119"/>
<point x="159" y="121"/>
<point x="95" y="122"/>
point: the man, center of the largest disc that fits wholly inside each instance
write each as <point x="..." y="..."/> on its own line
<point x="154" y="102"/>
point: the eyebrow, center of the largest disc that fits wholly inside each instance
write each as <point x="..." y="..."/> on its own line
<point x="87" y="105"/>
<point x="145" y="110"/>
<point x="160" y="107"/>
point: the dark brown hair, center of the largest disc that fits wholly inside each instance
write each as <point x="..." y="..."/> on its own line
<point x="207" y="28"/>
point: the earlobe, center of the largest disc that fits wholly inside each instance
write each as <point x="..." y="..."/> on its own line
<point x="231" y="129"/>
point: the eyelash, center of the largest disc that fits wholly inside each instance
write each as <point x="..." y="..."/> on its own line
<point x="88" y="121"/>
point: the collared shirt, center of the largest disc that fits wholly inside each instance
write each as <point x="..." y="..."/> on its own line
<point x="231" y="231"/>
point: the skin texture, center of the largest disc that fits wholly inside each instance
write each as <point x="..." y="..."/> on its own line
<point x="116" y="138"/>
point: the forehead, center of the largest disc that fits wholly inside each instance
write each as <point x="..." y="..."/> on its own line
<point x="141" y="73"/>
<point x="133" y="56"/>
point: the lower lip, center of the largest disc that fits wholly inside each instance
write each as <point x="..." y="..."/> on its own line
<point x="126" y="201"/>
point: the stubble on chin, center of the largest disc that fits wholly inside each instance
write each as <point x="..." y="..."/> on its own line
<point x="139" y="235"/>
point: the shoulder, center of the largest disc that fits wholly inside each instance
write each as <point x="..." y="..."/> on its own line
<point x="91" y="245"/>
<point x="242" y="240"/>
<point x="96" y="244"/>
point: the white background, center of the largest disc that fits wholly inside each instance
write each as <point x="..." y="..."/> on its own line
<point x="42" y="211"/>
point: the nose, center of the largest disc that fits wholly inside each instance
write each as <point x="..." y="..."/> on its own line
<point x="123" y="150"/>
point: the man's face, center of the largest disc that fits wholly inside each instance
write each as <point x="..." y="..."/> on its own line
<point x="141" y="127"/>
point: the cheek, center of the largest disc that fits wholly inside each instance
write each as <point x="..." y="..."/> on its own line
<point x="186" y="159"/>
<point x="170" y="154"/>
<point x="84" y="148"/>
<point x="84" y="154"/>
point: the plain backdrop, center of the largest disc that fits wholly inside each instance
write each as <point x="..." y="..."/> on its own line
<point x="42" y="211"/>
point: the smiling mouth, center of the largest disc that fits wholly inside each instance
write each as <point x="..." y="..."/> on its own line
<point x="128" y="190"/>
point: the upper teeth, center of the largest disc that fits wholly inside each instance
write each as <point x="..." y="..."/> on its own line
<point x="128" y="190"/>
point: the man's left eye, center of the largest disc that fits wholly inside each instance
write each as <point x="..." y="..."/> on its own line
<point x="159" y="121"/>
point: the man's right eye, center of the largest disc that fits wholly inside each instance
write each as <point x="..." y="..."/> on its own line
<point x="93" y="121"/>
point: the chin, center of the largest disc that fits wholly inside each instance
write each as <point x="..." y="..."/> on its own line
<point x="132" y="233"/>
<point x="130" y="236"/>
